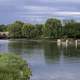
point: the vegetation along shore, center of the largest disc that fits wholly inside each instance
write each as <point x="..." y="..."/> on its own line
<point x="51" y="29"/>
<point x="13" y="67"/>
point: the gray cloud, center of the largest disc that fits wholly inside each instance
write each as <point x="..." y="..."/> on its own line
<point x="37" y="11"/>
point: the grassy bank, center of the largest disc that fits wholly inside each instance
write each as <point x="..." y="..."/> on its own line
<point x="12" y="67"/>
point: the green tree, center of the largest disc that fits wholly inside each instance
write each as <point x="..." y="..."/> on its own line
<point x="69" y="29"/>
<point x="28" y="31"/>
<point x="77" y="30"/>
<point x="15" y="29"/>
<point x="3" y="28"/>
<point x="52" y="28"/>
<point x="38" y="30"/>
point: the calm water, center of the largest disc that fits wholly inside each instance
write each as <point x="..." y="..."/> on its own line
<point x="47" y="60"/>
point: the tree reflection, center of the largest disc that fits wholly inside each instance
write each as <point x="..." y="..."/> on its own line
<point x="51" y="52"/>
<point x="21" y="46"/>
<point x="71" y="51"/>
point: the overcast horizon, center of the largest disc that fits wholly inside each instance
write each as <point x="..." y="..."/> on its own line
<point x="38" y="11"/>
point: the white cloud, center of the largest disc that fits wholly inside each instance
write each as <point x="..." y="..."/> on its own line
<point x="65" y="13"/>
<point x="68" y="1"/>
<point x="59" y="13"/>
<point x="54" y="1"/>
<point x="40" y="8"/>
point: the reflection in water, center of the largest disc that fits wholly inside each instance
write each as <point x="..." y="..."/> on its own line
<point x="4" y="46"/>
<point x="23" y="46"/>
<point x="76" y="43"/>
<point x="51" y="52"/>
<point x="71" y="51"/>
<point x="47" y="60"/>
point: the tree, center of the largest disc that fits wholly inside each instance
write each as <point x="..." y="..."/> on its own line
<point x="52" y="28"/>
<point x="38" y="30"/>
<point x="77" y="30"/>
<point x="71" y="29"/>
<point x="15" y="29"/>
<point x="3" y="28"/>
<point x="28" y="31"/>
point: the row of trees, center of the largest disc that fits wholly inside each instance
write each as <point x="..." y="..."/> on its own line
<point x="3" y="28"/>
<point x="53" y="28"/>
<point x="22" y="30"/>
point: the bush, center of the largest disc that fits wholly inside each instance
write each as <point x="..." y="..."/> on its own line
<point x="12" y="67"/>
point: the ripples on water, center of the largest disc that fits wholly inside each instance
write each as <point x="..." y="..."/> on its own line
<point x="47" y="60"/>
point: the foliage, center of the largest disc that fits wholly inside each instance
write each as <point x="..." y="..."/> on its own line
<point x="12" y="67"/>
<point x="3" y="28"/>
<point x="28" y="31"/>
<point x="72" y="29"/>
<point x="77" y="30"/>
<point x="38" y="30"/>
<point x="52" y="28"/>
<point x="15" y="29"/>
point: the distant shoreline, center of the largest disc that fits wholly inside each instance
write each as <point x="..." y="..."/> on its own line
<point x="72" y="39"/>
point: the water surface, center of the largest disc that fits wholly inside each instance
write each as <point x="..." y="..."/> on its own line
<point x="47" y="60"/>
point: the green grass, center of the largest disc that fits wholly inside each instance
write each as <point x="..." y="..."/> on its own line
<point x="13" y="67"/>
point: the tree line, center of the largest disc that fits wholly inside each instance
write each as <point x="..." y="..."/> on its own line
<point x="51" y="29"/>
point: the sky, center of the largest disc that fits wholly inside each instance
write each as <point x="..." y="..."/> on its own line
<point x="38" y="11"/>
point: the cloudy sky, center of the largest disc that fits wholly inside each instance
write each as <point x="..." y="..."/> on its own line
<point x="37" y="11"/>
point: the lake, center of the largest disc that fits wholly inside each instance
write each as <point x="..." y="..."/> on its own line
<point x="46" y="60"/>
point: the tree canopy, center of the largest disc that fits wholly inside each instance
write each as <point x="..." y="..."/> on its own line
<point x="52" y="28"/>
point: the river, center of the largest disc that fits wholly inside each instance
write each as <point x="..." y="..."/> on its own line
<point x="46" y="60"/>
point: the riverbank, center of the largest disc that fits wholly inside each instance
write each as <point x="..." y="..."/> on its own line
<point x="13" y="67"/>
<point x="43" y="40"/>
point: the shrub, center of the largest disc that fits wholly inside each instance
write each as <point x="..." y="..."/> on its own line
<point x="12" y="67"/>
